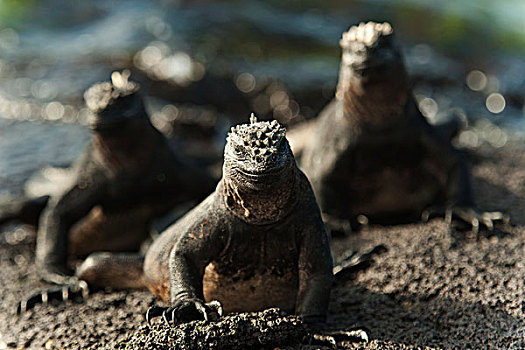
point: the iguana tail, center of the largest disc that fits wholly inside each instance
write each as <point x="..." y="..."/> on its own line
<point x="113" y="270"/>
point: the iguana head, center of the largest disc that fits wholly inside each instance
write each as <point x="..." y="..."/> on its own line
<point x="257" y="154"/>
<point x="373" y="83"/>
<point x="259" y="172"/>
<point x="114" y="103"/>
<point x="370" y="50"/>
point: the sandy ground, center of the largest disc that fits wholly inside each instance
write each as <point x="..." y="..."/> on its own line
<point x="436" y="287"/>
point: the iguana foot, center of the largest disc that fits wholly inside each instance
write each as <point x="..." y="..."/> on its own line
<point x="55" y="273"/>
<point x="186" y="311"/>
<point x="332" y="337"/>
<point x="477" y="217"/>
<point x="356" y="262"/>
<point x="64" y="293"/>
<point x="470" y="215"/>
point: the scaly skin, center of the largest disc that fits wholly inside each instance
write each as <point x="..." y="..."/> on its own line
<point x="127" y="177"/>
<point x="372" y="155"/>
<point x="257" y="242"/>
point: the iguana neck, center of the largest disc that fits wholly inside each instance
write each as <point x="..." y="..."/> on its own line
<point x="261" y="205"/>
<point x="128" y="149"/>
<point x="371" y="103"/>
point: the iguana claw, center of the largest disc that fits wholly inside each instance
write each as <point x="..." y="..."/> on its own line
<point x="331" y="337"/>
<point x="64" y="293"/>
<point x="186" y="311"/>
<point x="472" y="216"/>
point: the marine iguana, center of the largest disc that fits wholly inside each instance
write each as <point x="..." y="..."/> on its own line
<point x="371" y="155"/>
<point x="257" y="242"/>
<point x="127" y="177"/>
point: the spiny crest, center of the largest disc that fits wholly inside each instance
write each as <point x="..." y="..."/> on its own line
<point x="100" y="96"/>
<point x="367" y="34"/>
<point x="257" y="137"/>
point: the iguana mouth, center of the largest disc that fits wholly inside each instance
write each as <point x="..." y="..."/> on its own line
<point x="263" y="173"/>
<point x="367" y="67"/>
<point x="106" y="126"/>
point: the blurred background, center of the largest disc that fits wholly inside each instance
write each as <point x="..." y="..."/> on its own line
<point x="222" y="59"/>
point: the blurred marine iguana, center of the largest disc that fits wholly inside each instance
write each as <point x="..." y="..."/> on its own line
<point x="371" y="155"/>
<point x="126" y="178"/>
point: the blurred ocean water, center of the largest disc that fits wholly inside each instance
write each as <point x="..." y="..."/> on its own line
<point x="466" y="59"/>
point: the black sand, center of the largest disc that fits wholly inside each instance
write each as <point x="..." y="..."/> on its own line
<point x="436" y="287"/>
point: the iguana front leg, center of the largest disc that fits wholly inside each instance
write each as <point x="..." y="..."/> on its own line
<point x="315" y="273"/>
<point x="315" y="280"/>
<point x="52" y="237"/>
<point x="200" y="242"/>
<point x="459" y="203"/>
